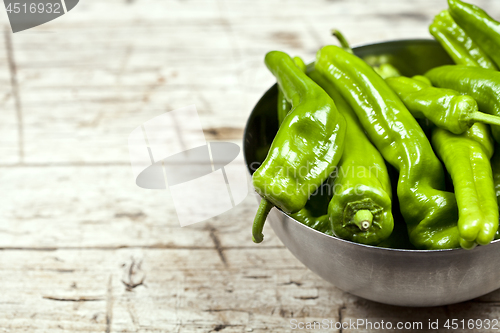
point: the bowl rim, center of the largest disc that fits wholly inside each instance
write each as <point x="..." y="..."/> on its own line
<point x="378" y="248"/>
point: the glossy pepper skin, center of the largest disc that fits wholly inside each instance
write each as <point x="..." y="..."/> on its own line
<point x="307" y="147"/>
<point x="481" y="84"/>
<point x="362" y="187"/>
<point x="283" y="105"/>
<point x="315" y="212"/>
<point x="495" y="168"/>
<point x="483" y="30"/>
<point x="467" y="159"/>
<point x="429" y="212"/>
<point x="445" y="108"/>
<point x="457" y="43"/>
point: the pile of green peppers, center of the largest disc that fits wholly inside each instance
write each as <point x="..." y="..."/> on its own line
<point x="347" y="129"/>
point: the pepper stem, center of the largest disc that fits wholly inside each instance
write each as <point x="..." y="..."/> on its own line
<point x="480" y="117"/>
<point x="363" y="219"/>
<point x="260" y="218"/>
<point x="342" y="40"/>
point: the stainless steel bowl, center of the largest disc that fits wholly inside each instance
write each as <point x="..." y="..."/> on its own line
<point x="398" y="277"/>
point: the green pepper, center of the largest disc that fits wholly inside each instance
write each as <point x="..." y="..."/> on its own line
<point x="429" y="212"/>
<point x="445" y="108"/>
<point x="476" y="23"/>
<point x="495" y="168"/>
<point x="360" y="209"/>
<point x="467" y="159"/>
<point x="306" y="149"/>
<point x="495" y="165"/>
<point x="283" y="105"/>
<point x="483" y="85"/>
<point x="315" y="212"/>
<point x="457" y="43"/>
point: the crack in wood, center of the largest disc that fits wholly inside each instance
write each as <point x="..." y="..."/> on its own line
<point x="15" y="91"/>
<point x="109" y="305"/>
<point x="298" y="284"/>
<point x="256" y="277"/>
<point x="218" y="247"/>
<point x="227" y="310"/>
<point x="306" y="297"/>
<point x="220" y="327"/>
<point x="341" y="317"/>
<point x="132" y="271"/>
<point x="132" y="216"/>
<point x="74" y="299"/>
<point x="223" y="133"/>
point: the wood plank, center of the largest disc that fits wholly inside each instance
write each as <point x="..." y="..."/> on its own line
<point x="185" y="290"/>
<point x="102" y="207"/>
<point x="258" y="290"/>
<point x="10" y="125"/>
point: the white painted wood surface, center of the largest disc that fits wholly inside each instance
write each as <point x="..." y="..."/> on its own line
<point x="85" y="250"/>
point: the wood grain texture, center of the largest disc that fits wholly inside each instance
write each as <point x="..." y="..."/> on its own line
<point x="82" y="248"/>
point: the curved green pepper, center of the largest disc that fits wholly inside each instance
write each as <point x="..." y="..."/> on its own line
<point x="360" y="209"/>
<point x="483" y="85"/>
<point x="429" y="212"/>
<point x="483" y="30"/>
<point x="467" y="159"/>
<point x="461" y="48"/>
<point x="283" y="105"/>
<point x="306" y="149"/>
<point x="315" y="212"/>
<point x="445" y="108"/>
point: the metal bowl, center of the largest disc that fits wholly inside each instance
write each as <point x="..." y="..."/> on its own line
<point x="391" y="276"/>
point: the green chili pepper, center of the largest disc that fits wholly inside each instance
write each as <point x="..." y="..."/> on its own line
<point x="360" y="209"/>
<point x="495" y="168"/>
<point x="495" y="165"/>
<point x="283" y="105"/>
<point x="467" y="159"/>
<point x="457" y="43"/>
<point x="483" y="30"/>
<point x="429" y="212"/>
<point x="307" y="147"/>
<point x="445" y="108"/>
<point x="483" y="85"/>
<point x="315" y="212"/>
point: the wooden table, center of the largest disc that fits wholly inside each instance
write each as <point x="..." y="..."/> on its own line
<point x="86" y="250"/>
